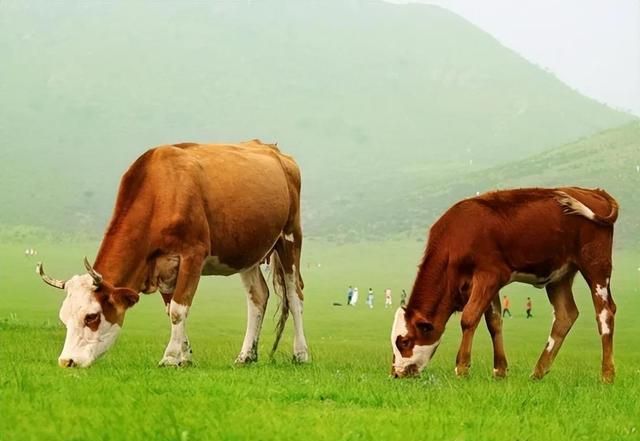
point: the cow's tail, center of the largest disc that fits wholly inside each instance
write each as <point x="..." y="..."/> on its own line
<point x="280" y="288"/>
<point x="572" y="205"/>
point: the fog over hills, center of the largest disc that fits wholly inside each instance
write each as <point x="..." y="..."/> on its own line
<point x="374" y="102"/>
<point x="608" y="160"/>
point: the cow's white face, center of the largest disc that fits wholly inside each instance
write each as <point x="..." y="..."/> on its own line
<point x="89" y="332"/>
<point x="411" y="345"/>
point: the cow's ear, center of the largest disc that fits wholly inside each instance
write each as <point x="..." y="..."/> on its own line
<point x="424" y="326"/>
<point x="124" y="297"/>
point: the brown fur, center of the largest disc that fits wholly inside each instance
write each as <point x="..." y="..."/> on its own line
<point x="475" y="248"/>
<point x="187" y="202"/>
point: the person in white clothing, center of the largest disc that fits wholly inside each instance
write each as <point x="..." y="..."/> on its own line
<point x="370" y="298"/>
<point x="354" y="297"/>
<point x="387" y="298"/>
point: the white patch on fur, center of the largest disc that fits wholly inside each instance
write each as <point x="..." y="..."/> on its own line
<point x="177" y="312"/>
<point x="214" y="267"/>
<point x="574" y="206"/>
<point x="251" y="279"/>
<point x="289" y="237"/>
<point x="421" y="353"/>
<point x="604" y="326"/>
<point x="178" y="350"/>
<point x="82" y="345"/>
<point x="550" y="344"/>
<point x="602" y="292"/>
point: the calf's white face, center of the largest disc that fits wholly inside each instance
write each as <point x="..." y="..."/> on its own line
<point x="409" y="341"/>
<point x="89" y="332"/>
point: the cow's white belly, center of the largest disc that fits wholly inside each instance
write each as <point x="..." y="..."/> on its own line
<point x="213" y="267"/>
<point x="537" y="281"/>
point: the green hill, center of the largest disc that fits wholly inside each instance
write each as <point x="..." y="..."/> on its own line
<point x="609" y="160"/>
<point x="372" y="99"/>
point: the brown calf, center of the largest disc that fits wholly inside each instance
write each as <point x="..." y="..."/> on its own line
<point x="542" y="237"/>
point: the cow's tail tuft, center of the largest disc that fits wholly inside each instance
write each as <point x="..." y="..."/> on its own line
<point x="280" y="288"/>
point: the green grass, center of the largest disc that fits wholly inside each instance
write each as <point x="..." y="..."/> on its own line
<point x="345" y="394"/>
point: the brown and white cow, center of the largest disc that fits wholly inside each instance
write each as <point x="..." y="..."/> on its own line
<point x="542" y="237"/>
<point x="183" y="211"/>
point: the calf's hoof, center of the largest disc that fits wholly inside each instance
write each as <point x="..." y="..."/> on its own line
<point x="462" y="371"/>
<point x="608" y="375"/>
<point x="500" y="373"/>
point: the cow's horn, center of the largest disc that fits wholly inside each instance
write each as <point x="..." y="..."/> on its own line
<point x="97" y="278"/>
<point x="48" y="280"/>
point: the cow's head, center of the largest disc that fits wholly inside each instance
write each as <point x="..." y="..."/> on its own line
<point x="414" y="340"/>
<point x="93" y="312"/>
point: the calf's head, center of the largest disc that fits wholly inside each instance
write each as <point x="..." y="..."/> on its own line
<point x="414" y="340"/>
<point x="93" y="312"/>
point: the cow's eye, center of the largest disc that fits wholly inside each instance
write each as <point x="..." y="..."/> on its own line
<point x="403" y="343"/>
<point x="91" y="318"/>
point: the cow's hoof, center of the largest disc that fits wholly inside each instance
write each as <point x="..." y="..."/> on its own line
<point x="462" y="371"/>
<point x="246" y="359"/>
<point x="171" y="361"/>
<point x="301" y="357"/>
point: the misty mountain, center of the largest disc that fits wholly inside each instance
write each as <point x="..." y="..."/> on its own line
<point x="373" y="99"/>
<point x="608" y="160"/>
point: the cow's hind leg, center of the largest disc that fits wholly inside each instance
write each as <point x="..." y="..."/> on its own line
<point x="178" y="351"/>
<point x="598" y="278"/>
<point x="257" y="296"/>
<point x="289" y="253"/>
<point x="565" y="313"/>
<point x="485" y="287"/>
<point x="493" y="318"/>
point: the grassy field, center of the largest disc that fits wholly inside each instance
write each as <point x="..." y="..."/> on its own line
<point x="345" y="394"/>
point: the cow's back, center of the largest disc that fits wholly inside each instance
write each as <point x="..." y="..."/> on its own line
<point x="519" y="227"/>
<point x="234" y="197"/>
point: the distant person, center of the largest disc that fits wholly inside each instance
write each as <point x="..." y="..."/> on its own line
<point x="349" y="294"/>
<point x="387" y="298"/>
<point x="506" y="305"/>
<point x="370" y="298"/>
<point x="403" y="298"/>
<point x="354" y="297"/>
<point x="529" y="306"/>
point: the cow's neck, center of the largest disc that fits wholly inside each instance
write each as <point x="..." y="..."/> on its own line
<point x="122" y="257"/>
<point x="430" y="295"/>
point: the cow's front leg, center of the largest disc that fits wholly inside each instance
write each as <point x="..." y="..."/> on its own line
<point x="484" y="289"/>
<point x="178" y="352"/>
<point x="493" y="317"/>
<point x="257" y="296"/>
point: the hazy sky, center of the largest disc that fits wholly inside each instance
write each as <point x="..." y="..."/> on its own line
<point x="592" y="45"/>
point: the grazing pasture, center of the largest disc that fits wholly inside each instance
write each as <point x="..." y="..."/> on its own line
<point x="344" y="394"/>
